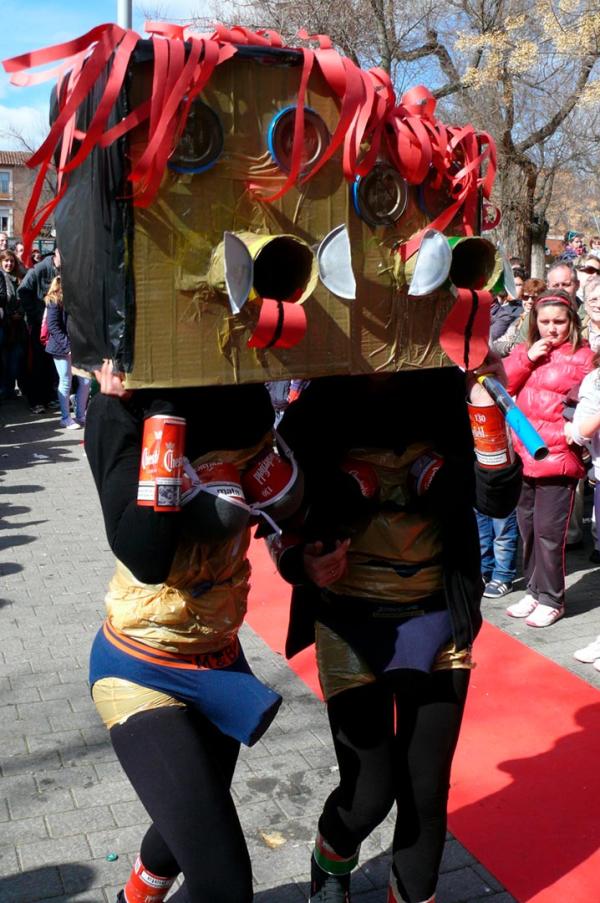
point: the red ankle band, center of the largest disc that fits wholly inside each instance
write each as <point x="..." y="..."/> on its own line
<point x="145" y="887"/>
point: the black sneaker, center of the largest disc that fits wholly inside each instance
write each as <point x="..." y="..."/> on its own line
<point x="326" y="888"/>
<point x="595" y="556"/>
<point x="495" y="589"/>
<point x="121" y="897"/>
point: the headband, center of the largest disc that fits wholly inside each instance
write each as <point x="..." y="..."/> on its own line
<point x="554" y="299"/>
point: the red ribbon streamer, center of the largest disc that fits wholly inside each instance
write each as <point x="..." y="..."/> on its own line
<point x="416" y="142"/>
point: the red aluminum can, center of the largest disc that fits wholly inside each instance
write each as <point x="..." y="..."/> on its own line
<point x="169" y="468"/>
<point x="161" y="464"/>
<point x="153" y="428"/>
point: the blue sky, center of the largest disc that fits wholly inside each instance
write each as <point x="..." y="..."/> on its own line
<point x="32" y="24"/>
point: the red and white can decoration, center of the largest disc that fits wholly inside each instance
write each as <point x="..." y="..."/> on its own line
<point x="267" y="477"/>
<point x="222" y="479"/>
<point x="161" y="464"/>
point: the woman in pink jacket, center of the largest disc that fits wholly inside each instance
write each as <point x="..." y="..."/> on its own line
<point x="540" y="373"/>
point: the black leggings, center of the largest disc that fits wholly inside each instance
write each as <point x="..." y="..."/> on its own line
<point x="394" y="741"/>
<point x="181" y="767"/>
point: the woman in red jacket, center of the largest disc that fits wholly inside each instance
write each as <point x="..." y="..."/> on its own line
<point x="540" y="373"/>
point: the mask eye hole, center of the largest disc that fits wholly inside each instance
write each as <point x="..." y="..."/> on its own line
<point x="280" y="138"/>
<point x="201" y="143"/>
<point x="380" y="197"/>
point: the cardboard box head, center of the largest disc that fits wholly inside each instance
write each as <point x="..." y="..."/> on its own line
<point x="262" y="254"/>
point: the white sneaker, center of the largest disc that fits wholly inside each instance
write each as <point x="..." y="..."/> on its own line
<point x="70" y="424"/>
<point x="523" y="607"/>
<point x="589" y="653"/>
<point x="544" y="616"/>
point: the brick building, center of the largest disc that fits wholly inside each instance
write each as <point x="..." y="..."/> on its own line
<point x="16" y="181"/>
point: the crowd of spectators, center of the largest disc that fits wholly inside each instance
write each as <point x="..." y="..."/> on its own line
<point x="31" y="358"/>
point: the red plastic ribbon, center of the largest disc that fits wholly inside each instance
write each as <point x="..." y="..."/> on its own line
<point x="176" y="82"/>
<point x="416" y="142"/>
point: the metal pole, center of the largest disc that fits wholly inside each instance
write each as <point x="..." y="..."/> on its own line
<point x="124" y="13"/>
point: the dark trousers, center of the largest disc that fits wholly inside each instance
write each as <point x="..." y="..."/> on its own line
<point x="41" y="378"/>
<point x="394" y="741"/>
<point x="543" y="515"/>
<point x="181" y="767"/>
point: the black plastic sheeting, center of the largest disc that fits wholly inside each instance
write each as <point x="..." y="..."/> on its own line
<point x="94" y="234"/>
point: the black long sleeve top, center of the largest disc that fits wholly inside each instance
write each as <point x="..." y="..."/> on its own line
<point x="334" y="415"/>
<point x="227" y="417"/>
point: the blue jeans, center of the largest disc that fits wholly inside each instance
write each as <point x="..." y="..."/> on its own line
<point x="498" y="541"/>
<point x="62" y="362"/>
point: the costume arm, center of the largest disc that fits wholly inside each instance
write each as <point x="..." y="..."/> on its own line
<point x="287" y="552"/>
<point x="497" y="491"/>
<point x="143" y="539"/>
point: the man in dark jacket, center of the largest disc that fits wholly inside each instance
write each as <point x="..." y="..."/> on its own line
<point x="41" y="382"/>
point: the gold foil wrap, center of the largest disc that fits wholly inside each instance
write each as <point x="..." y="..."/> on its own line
<point x="167" y="615"/>
<point x="117" y="700"/>
<point x="342" y="668"/>
<point x="406" y="537"/>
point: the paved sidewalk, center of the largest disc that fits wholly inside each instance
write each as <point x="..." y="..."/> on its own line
<point x="64" y="802"/>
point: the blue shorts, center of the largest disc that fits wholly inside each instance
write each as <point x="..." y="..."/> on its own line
<point x="220" y="685"/>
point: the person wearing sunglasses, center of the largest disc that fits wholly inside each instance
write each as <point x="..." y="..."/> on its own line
<point x="587" y="269"/>
<point x="518" y="329"/>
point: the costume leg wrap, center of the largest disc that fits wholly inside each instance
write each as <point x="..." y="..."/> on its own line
<point x="145" y="887"/>
<point x="328" y="860"/>
<point x="394" y="895"/>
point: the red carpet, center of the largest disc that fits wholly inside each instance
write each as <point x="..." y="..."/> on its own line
<point x="526" y="780"/>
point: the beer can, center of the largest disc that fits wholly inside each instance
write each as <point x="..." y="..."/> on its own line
<point x="491" y="437"/>
<point x="161" y="463"/>
<point x="153" y="429"/>
<point x="169" y="467"/>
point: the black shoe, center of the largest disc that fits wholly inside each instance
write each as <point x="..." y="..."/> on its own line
<point x="326" y="888"/>
<point x="121" y="897"/>
<point x="595" y="556"/>
<point x="495" y="589"/>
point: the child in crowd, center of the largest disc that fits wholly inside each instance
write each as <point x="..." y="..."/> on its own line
<point x="541" y="372"/>
<point x="59" y="347"/>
